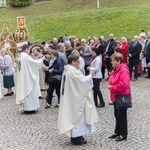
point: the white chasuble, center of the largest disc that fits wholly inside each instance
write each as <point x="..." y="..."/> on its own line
<point x="27" y="90"/>
<point x="76" y="103"/>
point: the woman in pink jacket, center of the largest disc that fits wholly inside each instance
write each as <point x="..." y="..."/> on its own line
<point x="119" y="83"/>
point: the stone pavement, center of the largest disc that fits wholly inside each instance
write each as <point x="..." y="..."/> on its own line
<point x="39" y="131"/>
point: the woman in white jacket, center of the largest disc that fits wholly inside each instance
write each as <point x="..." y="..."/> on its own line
<point x="95" y="65"/>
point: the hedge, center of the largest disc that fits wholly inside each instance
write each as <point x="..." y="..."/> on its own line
<point x="19" y="3"/>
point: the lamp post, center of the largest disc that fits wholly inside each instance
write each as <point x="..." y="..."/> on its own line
<point x="98" y="4"/>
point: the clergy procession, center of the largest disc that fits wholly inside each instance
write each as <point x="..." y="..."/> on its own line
<point x="71" y="71"/>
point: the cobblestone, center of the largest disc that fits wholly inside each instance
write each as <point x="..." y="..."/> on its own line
<point x="39" y="131"/>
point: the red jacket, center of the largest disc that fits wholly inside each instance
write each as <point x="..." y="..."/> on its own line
<point x="119" y="80"/>
<point x="125" y="49"/>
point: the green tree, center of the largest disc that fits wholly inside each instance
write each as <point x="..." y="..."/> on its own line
<point x="19" y="3"/>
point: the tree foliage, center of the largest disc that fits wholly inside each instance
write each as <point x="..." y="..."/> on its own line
<point x="19" y="3"/>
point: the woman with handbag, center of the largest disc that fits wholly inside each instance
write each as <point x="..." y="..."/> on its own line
<point x="119" y="84"/>
<point x="55" y="73"/>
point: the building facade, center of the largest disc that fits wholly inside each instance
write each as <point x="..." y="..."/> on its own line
<point x="2" y="3"/>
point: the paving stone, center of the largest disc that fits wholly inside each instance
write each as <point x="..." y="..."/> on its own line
<point x="39" y="131"/>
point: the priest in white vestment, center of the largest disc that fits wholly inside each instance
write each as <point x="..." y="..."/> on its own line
<point x="77" y="112"/>
<point x="27" y="91"/>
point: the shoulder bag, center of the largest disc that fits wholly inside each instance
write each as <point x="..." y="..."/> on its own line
<point x="56" y="78"/>
<point x="123" y="101"/>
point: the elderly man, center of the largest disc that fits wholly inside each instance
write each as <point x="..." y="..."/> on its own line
<point x="87" y="55"/>
<point x="60" y="48"/>
<point x="111" y="44"/>
<point x="68" y="48"/>
<point x="134" y="55"/>
<point x="27" y="81"/>
<point x="55" y="42"/>
<point x="77" y="112"/>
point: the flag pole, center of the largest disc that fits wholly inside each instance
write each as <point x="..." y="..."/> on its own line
<point x="98" y="4"/>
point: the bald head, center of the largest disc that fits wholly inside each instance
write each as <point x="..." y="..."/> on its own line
<point x="111" y="36"/>
<point x="83" y="42"/>
<point x="60" y="46"/>
<point x="136" y="38"/>
<point x="67" y="44"/>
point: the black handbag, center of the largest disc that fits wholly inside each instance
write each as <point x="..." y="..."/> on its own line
<point x="56" y="78"/>
<point x="123" y="101"/>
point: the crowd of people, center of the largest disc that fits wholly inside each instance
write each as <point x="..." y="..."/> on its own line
<point x="74" y="69"/>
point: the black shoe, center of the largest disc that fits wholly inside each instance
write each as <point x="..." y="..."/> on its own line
<point x="8" y="94"/>
<point x="47" y="107"/>
<point x="119" y="138"/>
<point x="147" y="77"/>
<point x="96" y="105"/>
<point x="113" y="136"/>
<point x="57" y="106"/>
<point x="72" y="139"/>
<point x="101" y="105"/>
<point x="111" y="103"/>
<point x="43" y="89"/>
<point x="40" y="97"/>
<point x="78" y="141"/>
<point x="139" y="74"/>
<point x="30" y="112"/>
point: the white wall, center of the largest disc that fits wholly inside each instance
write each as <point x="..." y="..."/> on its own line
<point x="2" y="3"/>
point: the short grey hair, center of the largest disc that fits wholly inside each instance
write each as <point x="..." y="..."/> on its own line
<point x="4" y="50"/>
<point x="68" y="43"/>
<point x="75" y="52"/>
<point x="60" y="46"/>
<point x="83" y="40"/>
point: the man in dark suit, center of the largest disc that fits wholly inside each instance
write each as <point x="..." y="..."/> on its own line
<point x="111" y="44"/>
<point x="134" y="55"/>
<point x="147" y="53"/>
